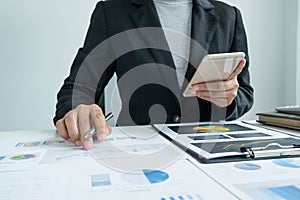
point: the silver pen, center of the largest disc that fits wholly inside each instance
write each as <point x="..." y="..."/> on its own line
<point x="92" y="131"/>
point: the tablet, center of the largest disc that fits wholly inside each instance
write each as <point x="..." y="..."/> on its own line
<point x="214" y="67"/>
<point x="215" y="142"/>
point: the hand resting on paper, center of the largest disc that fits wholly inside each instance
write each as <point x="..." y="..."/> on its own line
<point x="75" y="124"/>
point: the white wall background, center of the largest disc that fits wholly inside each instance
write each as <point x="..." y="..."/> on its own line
<point x="40" y="38"/>
<point x="272" y="35"/>
<point x="298" y="58"/>
<point x="38" y="42"/>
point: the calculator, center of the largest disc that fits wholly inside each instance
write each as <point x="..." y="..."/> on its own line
<point x="293" y="109"/>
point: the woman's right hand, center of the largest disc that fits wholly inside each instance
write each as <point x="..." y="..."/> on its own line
<point x="75" y="124"/>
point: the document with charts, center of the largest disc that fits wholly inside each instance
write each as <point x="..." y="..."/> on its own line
<point x="258" y="179"/>
<point x="230" y="141"/>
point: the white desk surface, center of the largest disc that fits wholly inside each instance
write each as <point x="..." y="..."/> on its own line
<point x="59" y="173"/>
<point x="67" y="172"/>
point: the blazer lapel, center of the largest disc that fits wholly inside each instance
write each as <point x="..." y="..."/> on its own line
<point x="204" y="23"/>
<point x="145" y="16"/>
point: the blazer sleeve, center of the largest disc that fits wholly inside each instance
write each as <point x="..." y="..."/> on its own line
<point x="244" y="100"/>
<point x="87" y="92"/>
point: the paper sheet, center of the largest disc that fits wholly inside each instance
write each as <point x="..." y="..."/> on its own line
<point x="126" y="151"/>
<point x="264" y="179"/>
<point x="36" y="170"/>
<point x="181" y="180"/>
<point x="32" y="184"/>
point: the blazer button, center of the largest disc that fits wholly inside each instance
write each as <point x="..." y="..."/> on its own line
<point x="176" y="118"/>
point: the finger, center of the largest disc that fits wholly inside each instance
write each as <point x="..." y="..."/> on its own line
<point x="78" y="143"/>
<point x="223" y="98"/>
<point x="99" y="122"/>
<point x="87" y="143"/>
<point x="71" y="125"/>
<point x="62" y="129"/>
<point x="218" y="86"/>
<point x="109" y="128"/>
<point x="211" y="86"/>
<point x="214" y="95"/>
<point x="238" y="69"/>
<point x="198" y="87"/>
<point x="105" y="137"/>
<point x="84" y="126"/>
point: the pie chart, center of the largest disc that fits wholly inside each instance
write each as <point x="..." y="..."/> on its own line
<point x="247" y="166"/>
<point x="287" y="162"/>
<point x="146" y="177"/>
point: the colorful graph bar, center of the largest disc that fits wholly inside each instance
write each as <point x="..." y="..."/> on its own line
<point x="184" y="197"/>
<point x="121" y="138"/>
<point x="39" y="143"/>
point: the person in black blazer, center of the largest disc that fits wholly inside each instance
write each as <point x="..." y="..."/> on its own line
<point x="125" y="37"/>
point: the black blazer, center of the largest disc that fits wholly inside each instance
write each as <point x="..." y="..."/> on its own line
<point x="144" y="66"/>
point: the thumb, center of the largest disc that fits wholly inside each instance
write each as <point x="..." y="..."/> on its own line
<point x="238" y="69"/>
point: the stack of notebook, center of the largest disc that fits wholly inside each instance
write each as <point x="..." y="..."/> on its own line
<point x="288" y="117"/>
